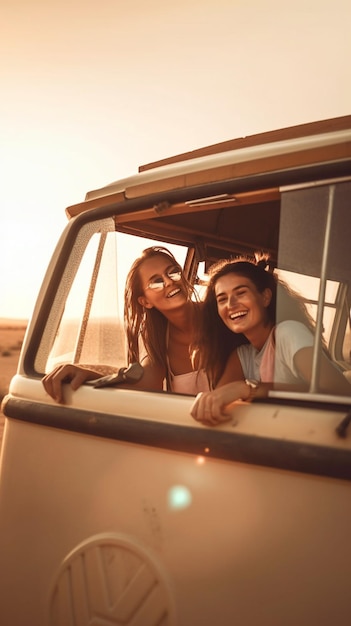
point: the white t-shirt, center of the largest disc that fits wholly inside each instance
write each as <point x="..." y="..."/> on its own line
<point x="289" y="337"/>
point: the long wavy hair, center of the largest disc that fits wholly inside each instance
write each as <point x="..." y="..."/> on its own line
<point x="147" y="325"/>
<point x="215" y="341"/>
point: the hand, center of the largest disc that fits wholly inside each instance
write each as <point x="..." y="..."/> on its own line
<point x="68" y="373"/>
<point x="213" y="407"/>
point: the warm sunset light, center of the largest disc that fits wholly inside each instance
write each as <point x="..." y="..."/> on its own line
<point x="92" y="90"/>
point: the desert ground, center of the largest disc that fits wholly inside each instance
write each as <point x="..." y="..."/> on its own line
<point x="11" y="338"/>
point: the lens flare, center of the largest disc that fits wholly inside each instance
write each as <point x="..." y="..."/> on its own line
<point x="179" y="497"/>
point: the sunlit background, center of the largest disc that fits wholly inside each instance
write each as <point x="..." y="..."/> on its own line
<point x="91" y="90"/>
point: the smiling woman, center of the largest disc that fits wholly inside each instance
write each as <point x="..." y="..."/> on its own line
<point x="245" y="345"/>
<point x="165" y="318"/>
<point x="161" y="314"/>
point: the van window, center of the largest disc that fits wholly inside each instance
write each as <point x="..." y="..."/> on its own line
<point x="312" y="254"/>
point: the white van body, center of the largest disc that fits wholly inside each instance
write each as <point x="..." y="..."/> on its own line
<point x="116" y="507"/>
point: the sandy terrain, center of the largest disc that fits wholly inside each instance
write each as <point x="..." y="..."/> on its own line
<point x="11" y="337"/>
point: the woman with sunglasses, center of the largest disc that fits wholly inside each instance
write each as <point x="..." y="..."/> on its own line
<point x="160" y="320"/>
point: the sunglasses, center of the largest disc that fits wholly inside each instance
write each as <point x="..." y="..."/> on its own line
<point x="158" y="282"/>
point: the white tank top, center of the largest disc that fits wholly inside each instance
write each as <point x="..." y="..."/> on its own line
<point x="189" y="383"/>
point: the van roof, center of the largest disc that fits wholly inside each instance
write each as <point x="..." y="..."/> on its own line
<point x="307" y="146"/>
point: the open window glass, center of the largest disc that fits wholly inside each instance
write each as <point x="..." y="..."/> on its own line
<point x="314" y="257"/>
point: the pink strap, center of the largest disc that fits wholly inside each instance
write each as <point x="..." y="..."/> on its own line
<point x="267" y="362"/>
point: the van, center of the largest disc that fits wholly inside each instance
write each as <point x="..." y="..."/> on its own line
<point x="116" y="506"/>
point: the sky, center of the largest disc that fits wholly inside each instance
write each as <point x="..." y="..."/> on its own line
<point x="91" y="90"/>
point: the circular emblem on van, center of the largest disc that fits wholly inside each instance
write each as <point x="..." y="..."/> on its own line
<point x="109" y="580"/>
